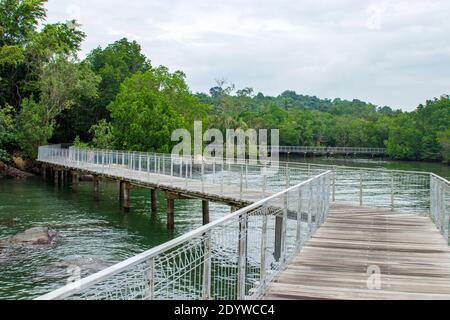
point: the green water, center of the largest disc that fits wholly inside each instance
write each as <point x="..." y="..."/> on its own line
<point x="93" y="234"/>
<point x="437" y="168"/>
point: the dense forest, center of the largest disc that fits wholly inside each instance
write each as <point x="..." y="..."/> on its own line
<point x="115" y="98"/>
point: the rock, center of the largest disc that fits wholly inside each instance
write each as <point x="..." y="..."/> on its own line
<point x="2" y="166"/>
<point x="19" y="163"/>
<point x="35" y="235"/>
<point x="36" y="170"/>
<point x="87" y="177"/>
<point x="14" y="173"/>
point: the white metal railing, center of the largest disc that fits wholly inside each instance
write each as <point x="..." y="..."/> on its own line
<point x="399" y="190"/>
<point x="440" y="203"/>
<point x="325" y="150"/>
<point x="233" y="257"/>
<point x="208" y="175"/>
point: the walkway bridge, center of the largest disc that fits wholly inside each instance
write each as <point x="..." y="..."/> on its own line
<point x="306" y="231"/>
<point x="317" y="150"/>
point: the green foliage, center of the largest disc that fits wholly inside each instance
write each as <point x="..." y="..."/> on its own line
<point x="33" y="129"/>
<point x="26" y="51"/>
<point x="444" y="140"/>
<point x="19" y="18"/>
<point x="11" y="55"/>
<point x="112" y="65"/>
<point x="80" y="144"/>
<point x="103" y="136"/>
<point x="4" y="156"/>
<point x="420" y="135"/>
<point x="149" y="107"/>
<point x="7" y="132"/>
<point x="63" y="83"/>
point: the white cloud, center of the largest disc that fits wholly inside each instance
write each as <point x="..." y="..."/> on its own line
<point x="388" y="52"/>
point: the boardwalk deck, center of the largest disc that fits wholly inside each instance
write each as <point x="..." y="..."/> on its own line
<point x="411" y="254"/>
<point x="191" y="188"/>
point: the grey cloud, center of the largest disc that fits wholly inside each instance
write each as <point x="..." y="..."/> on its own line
<point x="388" y="52"/>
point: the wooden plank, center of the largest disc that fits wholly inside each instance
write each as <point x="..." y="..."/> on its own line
<point x="411" y="254"/>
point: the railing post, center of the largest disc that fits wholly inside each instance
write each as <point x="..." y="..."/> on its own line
<point x="360" y="188"/>
<point x="310" y="202"/>
<point x="207" y="268"/>
<point x="203" y="172"/>
<point x="299" y="219"/>
<point x="186" y="173"/>
<point x="288" y="178"/>
<point x="262" y="275"/>
<point x="242" y="257"/>
<point x="214" y="169"/>
<point x="164" y="164"/>
<point x="284" y="227"/>
<point x="392" y="192"/>
<point x="333" y="185"/>
<point x="221" y="176"/>
<point x="246" y="175"/>
<point x="241" y="183"/>
<point x="264" y="186"/>
<point x="181" y="167"/>
<point x="151" y="278"/>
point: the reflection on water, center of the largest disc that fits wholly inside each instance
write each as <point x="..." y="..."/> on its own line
<point x="435" y="167"/>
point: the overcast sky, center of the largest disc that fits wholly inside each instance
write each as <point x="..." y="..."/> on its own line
<point x="394" y="53"/>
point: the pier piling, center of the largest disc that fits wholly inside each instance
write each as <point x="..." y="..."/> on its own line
<point x="205" y="211"/>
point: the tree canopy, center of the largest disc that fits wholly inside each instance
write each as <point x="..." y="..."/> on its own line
<point x="115" y="98"/>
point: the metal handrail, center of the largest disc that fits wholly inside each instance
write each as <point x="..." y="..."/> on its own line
<point x="281" y="163"/>
<point x="329" y="149"/>
<point x="378" y="187"/>
<point x="89" y="281"/>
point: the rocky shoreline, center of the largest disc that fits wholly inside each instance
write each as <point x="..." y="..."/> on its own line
<point x="18" y="169"/>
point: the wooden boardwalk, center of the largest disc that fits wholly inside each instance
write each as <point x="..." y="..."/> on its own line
<point x="412" y="256"/>
<point x="227" y="192"/>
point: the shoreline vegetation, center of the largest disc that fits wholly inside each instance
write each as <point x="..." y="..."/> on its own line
<point x="116" y="99"/>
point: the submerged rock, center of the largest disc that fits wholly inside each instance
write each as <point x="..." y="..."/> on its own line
<point x="11" y="172"/>
<point x="35" y="235"/>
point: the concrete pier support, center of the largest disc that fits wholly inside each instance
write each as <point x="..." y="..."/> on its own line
<point x="278" y="237"/>
<point x="125" y="195"/>
<point x="44" y="172"/>
<point x="63" y="177"/>
<point x="96" y="186"/>
<point x="170" y="213"/>
<point x="205" y="211"/>
<point x="74" y="181"/>
<point x="121" y="186"/>
<point x="154" y="201"/>
<point x="56" y="176"/>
